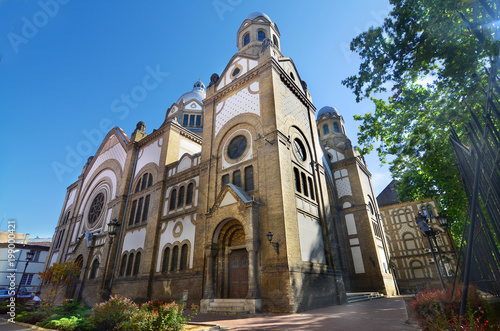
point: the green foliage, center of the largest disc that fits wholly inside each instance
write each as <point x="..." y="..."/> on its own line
<point x="31" y="317"/>
<point x="420" y="68"/>
<point x="70" y="316"/>
<point x="110" y="314"/>
<point x="156" y="315"/>
<point x="439" y="310"/>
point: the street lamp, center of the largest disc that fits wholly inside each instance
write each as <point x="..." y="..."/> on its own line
<point x="429" y="232"/>
<point x="29" y="256"/>
<point x="276" y="245"/>
<point x="112" y="230"/>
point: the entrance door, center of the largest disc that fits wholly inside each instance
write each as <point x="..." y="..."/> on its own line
<point x="238" y="274"/>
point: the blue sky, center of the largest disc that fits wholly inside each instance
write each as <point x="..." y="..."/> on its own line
<point x="66" y="68"/>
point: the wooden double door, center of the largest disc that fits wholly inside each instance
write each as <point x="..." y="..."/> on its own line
<point x="238" y="274"/>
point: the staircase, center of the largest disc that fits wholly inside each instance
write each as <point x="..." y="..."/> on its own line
<point x="227" y="307"/>
<point x="363" y="296"/>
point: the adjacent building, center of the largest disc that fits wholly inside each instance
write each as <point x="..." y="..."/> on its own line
<point x="411" y="256"/>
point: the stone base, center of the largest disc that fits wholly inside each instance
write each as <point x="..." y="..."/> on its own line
<point x="231" y="306"/>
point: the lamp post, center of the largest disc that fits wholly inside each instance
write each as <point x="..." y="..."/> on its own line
<point x="276" y="245"/>
<point x="29" y="256"/>
<point x="112" y="230"/>
<point x="428" y="231"/>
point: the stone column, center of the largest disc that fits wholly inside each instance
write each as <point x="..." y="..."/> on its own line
<point x="209" y="286"/>
<point x="253" y="288"/>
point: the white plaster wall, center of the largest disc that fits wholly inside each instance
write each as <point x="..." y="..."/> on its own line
<point x="167" y="237"/>
<point x="292" y="106"/>
<point x="106" y="173"/>
<point x="244" y="64"/>
<point x="192" y="106"/>
<point x="116" y="152"/>
<point x="343" y="187"/>
<point x="54" y="258"/>
<point x="382" y="258"/>
<point x="357" y="258"/>
<point x="149" y="154"/>
<point x="311" y="239"/>
<point x="134" y="240"/>
<point x="71" y="199"/>
<point x="351" y="225"/>
<point x="246" y="100"/>
<point x="187" y="146"/>
<point x="184" y="164"/>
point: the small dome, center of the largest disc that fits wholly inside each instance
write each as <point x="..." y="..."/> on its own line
<point x="253" y="16"/>
<point x="328" y="111"/>
<point x="197" y="93"/>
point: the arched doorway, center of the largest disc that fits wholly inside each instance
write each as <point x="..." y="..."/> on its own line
<point x="231" y="268"/>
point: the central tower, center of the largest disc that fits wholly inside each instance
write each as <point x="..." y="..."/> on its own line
<point x="261" y="172"/>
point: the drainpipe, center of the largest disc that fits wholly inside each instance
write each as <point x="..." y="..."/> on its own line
<point x="123" y="220"/>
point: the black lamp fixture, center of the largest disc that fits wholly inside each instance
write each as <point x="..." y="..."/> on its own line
<point x="113" y="228"/>
<point x="429" y="232"/>
<point x="29" y="257"/>
<point x="276" y="245"/>
<point x="443" y="220"/>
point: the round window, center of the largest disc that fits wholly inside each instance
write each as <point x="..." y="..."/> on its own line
<point x="96" y="208"/>
<point x="237" y="147"/>
<point x="236" y="71"/>
<point x="300" y="151"/>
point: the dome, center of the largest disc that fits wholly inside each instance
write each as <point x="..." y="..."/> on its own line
<point x="328" y="111"/>
<point x="197" y="93"/>
<point x="253" y="16"/>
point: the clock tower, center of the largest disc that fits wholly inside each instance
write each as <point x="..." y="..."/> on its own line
<point x="267" y="225"/>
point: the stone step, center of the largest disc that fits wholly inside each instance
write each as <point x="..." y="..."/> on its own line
<point x="363" y="296"/>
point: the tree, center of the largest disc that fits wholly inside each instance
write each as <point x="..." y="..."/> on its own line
<point x="422" y="69"/>
<point x="58" y="276"/>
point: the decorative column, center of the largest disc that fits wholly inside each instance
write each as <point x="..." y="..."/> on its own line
<point x="209" y="286"/>
<point x="253" y="289"/>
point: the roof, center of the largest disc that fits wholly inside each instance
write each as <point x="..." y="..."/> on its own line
<point x="328" y="111"/>
<point x="389" y="195"/>
<point x="256" y="14"/>
<point x="242" y="194"/>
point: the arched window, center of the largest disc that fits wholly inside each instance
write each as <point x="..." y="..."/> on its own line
<point x="139" y="210"/>
<point x="409" y="241"/>
<point x="261" y="35"/>
<point x="189" y="194"/>
<point x="304" y="184"/>
<point x="417" y="270"/>
<point x="225" y="180"/>
<point x="237" y="178"/>
<point x="173" y="196"/>
<point x="249" y="178"/>
<point x="132" y="212"/>
<point x="275" y="41"/>
<point x="325" y="129"/>
<point x="66" y="218"/>
<point x="123" y="265"/>
<point x="429" y="211"/>
<point x="129" y="264"/>
<point x="175" y="258"/>
<point x="311" y="187"/>
<point x="93" y="269"/>
<point x="146" y="208"/>
<point x="166" y="259"/>
<point x="246" y="39"/>
<point x="336" y="127"/>
<point x="184" y="257"/>
<point x="137" y="263"/>
<point x="180" y="203"/>
<point x="297" y="179"/>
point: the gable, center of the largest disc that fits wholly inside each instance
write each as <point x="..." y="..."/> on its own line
<point x="227" y="200"/>
<point x="244" y="65"/>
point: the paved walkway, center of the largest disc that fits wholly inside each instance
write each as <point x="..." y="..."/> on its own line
<point x="380" y="314"/>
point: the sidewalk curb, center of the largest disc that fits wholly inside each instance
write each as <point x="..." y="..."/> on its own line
<point x="26" y="325"/>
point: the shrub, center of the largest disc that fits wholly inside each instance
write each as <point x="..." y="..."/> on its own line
<point x="110" y="314"/>
<point x="31" y="317"/>
<point x="70" y="316"/>
<point x="439" y="310"/>
<point x="157" y="315"/>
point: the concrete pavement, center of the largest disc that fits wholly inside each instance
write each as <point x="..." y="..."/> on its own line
<point x="380" y="314"/>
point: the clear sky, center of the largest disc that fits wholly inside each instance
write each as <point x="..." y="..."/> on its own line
<point x="66" y="68"/>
